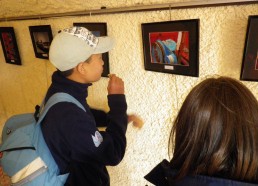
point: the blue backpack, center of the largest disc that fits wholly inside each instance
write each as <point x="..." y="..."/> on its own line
<point x="26" y="157"/>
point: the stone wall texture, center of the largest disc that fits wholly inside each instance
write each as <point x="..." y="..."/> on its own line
<point x="155" y="97"/>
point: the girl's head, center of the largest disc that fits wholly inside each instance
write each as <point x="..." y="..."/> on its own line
<point x="216" y="131"/>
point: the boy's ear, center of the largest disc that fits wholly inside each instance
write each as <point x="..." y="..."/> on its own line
<point x="81" y="68"/>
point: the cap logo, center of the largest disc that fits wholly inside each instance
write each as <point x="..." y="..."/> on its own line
<point x="83" y="34"/>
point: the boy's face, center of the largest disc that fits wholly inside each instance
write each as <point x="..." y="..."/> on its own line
<point x="94" y="68"/>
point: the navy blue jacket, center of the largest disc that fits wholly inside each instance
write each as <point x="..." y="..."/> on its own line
<point x="162" y="175"/>
<point x="73" y="138"/>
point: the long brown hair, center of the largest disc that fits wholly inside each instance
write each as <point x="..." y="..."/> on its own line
<point x="216" y="131"/>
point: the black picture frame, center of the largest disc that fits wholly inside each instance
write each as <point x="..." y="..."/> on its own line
<point x="98" y="29"/>
<point x="172" y="47"/>
<point x="9" y="45"/>
<point x="41" y="37"/>
<point x="249" y="69"/>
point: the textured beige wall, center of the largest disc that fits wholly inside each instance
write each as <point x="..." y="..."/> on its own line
<point x="156" y="97"/>
<point x="11" y="8"/>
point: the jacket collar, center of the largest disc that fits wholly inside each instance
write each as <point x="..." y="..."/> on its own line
<point x="62" y="84"/>
<point x="162" y="175"/>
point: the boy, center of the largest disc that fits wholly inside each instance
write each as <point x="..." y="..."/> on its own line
<point x="71" y="133"/>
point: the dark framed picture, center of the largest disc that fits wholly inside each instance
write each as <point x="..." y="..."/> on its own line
<point x="41" y="37"/>
<point x="172" y="47"/>
<point x="98" y="29"/>
<point x="9" y="45"/>
<point x="249" y="70"/>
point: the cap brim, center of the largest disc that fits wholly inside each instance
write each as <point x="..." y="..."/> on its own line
<point x="105" y="44"/>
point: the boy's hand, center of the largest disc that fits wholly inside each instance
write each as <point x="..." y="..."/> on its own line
<point x="115" y="85"/>
<point x="137" y="121"/>
<point x="4" y="179"/>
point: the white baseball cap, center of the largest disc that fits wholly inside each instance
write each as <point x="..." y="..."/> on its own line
<point x="74" y="45"/>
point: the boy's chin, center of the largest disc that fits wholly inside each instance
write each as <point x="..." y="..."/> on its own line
<point x="96" y="79"/>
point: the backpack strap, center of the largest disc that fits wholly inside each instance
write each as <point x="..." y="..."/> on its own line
<point x="38" y="138"/>
<point x="36" y="113"/>
<point x="54" y="99"/>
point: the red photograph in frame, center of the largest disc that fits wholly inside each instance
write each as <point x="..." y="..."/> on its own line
<point x="176" y="42"/>
<point x="249" y="70"/>
<point x="172" y="47"/>
<point x="9" y="45"/>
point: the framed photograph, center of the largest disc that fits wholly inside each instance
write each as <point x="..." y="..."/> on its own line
<point x="9" y="45"/>
<point x="41" y="37"/>
<point x="249" y="70"/>
<point x="172" y="47"/>
<point x="98" y="29"/>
